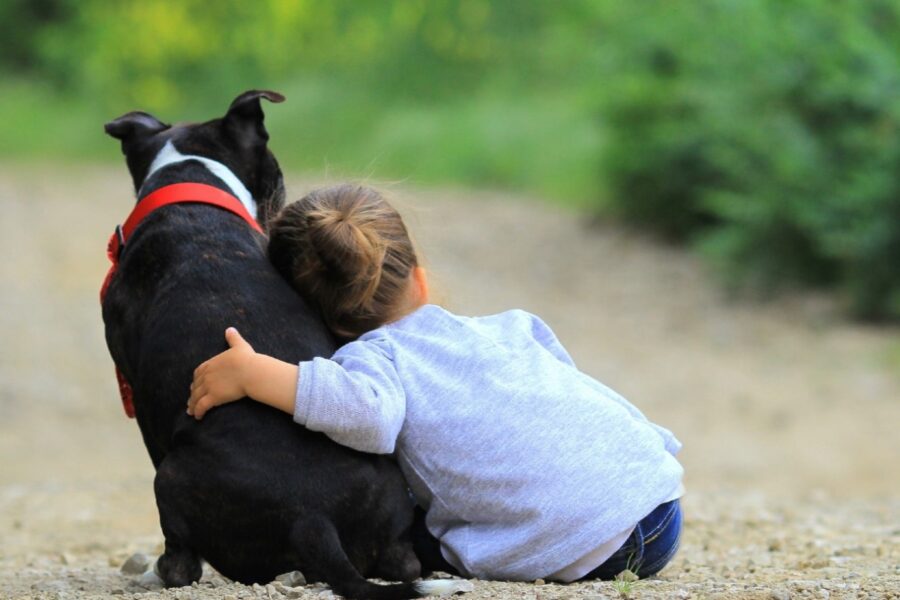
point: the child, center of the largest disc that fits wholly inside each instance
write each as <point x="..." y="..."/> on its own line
<point x="526" y="467"/>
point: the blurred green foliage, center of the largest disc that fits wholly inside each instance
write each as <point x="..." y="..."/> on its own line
<point x="762" y="131"/>
<point x="770" y="140"/>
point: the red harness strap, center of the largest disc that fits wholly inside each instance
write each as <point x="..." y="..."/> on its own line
<point x="177" y="193"/>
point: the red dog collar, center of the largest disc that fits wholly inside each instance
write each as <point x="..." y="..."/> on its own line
<point x="177" y="193"/>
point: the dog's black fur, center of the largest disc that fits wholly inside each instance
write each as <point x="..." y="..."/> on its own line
<point x="246" y="489"/>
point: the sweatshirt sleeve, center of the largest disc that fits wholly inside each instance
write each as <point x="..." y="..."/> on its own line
<point x="355" y="398"/>
<point x="546" y="338"/>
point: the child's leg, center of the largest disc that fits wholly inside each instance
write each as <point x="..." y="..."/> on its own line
<point x="649" y="548"/>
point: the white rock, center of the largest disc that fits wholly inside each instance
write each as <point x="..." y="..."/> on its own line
<point x="136" y="564"/>
<point x="292" y="579"/>
<point x="150" y="580"/>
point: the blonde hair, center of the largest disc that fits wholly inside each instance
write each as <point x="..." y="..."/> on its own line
<point x="346" y="250"/>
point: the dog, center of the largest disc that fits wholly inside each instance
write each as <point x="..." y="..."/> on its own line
<point x="245" y="489"/>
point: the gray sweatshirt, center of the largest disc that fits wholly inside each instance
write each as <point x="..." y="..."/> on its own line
<point x="523" y="463"/>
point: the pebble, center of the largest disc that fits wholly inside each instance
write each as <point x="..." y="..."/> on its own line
<point x="292" y="579"/>
<point x="287" y="591"/>
<point x="627" y="575"/>
<point x="136" y="564"/>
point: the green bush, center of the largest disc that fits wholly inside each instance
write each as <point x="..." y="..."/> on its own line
<point x="770" y="140"/>
<point x="764" y="132"/>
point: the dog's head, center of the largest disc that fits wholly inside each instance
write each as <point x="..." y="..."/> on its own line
<point x="238" y="140"/>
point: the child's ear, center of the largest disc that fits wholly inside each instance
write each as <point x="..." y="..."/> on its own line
<point x="420" y="281"/>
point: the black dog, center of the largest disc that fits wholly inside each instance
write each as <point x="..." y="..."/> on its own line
<point x="246" y="489"/>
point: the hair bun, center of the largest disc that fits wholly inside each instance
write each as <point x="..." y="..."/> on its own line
<point x="349" y="247"/>
<point x="345" y="248"/>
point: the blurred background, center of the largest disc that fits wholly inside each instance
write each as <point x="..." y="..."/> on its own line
<point x="701" y="198"/>
<point x="762" y="133"/>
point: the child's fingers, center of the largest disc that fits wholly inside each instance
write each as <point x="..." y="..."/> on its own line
<point x="201" y="369"/>
<point x="235" y="339"/>
<point x="202" y="405"/>
<point x="197" y="392"/>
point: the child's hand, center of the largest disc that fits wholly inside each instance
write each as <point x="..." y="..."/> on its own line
<point x="223" y="378"/>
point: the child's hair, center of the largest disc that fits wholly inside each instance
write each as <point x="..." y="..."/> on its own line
<point x="346" y="250"/>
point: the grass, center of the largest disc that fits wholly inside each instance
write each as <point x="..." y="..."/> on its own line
<point x="626" y="583"/>
<point x="540" y="144"/>
<point x="623" y="588"/>
<point x="39" y="124"/>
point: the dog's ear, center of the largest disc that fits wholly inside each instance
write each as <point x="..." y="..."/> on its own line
<point x="244" y="120"/>
<point x="133" y="124"/>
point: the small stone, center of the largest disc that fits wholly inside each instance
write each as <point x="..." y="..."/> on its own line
<point x="136" y="564"/>
<point x="780" y="595"/>
<point x="539" y="582"/>
<point x="292" y="579"/>
<point x="149" y="580"/>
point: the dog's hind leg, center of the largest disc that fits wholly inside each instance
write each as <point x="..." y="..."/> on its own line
<point x="398" y="562"/>
<point x="179" y="565"/>
<point x="322" y="558"/>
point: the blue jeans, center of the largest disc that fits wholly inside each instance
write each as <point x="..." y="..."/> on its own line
<point x="649" y="548"/>
<point x="646" y="551"/>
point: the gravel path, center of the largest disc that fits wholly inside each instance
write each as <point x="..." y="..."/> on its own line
<point x="789" y="416"/>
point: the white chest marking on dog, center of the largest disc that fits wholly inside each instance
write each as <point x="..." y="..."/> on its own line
<point x="169" y="156"/>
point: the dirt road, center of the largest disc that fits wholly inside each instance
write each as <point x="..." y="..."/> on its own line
<point x="789" y="416"/>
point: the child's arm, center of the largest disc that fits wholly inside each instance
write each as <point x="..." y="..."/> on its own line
<point x="240" y="372"/>
<point x="355" y="398"/>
